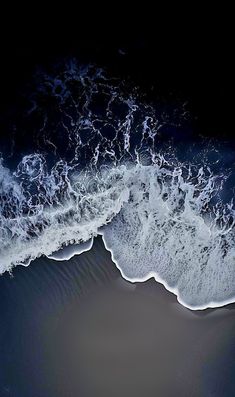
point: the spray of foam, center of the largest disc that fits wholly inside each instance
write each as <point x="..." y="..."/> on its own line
<point x="44" y="211"/>
<point x="164" y="232"/>
<point x="159" y="217"/>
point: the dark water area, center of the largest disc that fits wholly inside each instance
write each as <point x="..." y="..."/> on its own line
<point x="77" y="328"/>
<point x="190" y="61"/>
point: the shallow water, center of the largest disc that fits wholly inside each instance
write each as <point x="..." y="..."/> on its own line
<point x="76" y="327"/>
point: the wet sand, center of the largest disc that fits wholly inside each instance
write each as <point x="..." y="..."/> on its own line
<point x="76" y="328"/>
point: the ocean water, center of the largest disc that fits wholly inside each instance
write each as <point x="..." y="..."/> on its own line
<point x="88" y="156"/>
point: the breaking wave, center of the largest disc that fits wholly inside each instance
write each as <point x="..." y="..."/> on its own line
<point x="103" y="161"/>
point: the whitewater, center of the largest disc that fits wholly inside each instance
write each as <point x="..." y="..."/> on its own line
<point x="100" y="167"/>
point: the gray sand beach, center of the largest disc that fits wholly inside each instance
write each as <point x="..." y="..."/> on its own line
<point x="76" y="328"/>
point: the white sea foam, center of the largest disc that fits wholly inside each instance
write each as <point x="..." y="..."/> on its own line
<point x="66" y="253"/>
<point x="31" y="228"/>
<point x="156" y="220"/>
<point x="163" y="232"/>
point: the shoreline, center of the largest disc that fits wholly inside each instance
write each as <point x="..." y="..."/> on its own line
<point x="68" y="252"/>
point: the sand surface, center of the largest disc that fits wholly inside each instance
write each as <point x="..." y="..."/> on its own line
<point x="76" y="327"/>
